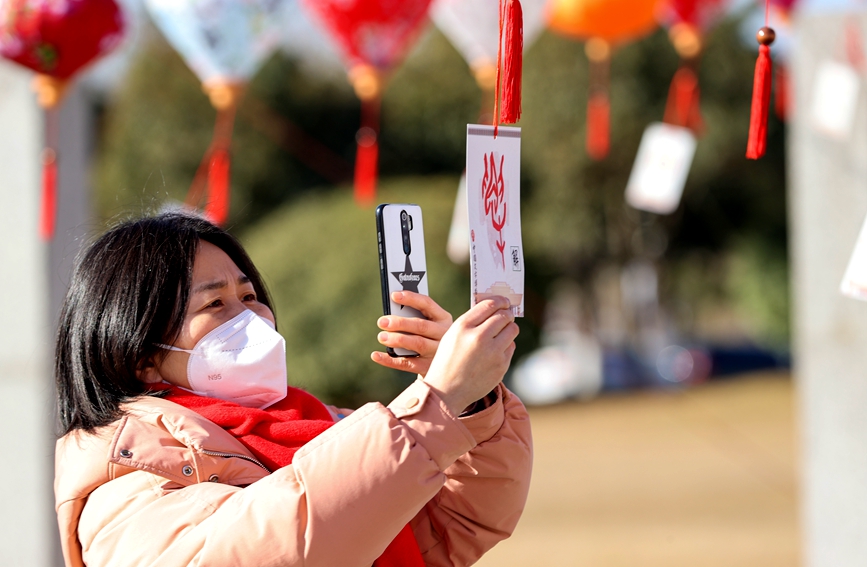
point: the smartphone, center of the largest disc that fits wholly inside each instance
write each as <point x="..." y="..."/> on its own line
<point x="402" y="265"/>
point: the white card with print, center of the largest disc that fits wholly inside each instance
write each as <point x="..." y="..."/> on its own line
<point x="835" y="99"/>
<point x="660" y="169"/>
<point x="854" y="282"/>
<point x="494" y="212"/>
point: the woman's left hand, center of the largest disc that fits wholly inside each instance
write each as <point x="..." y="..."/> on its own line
<point x="419" y="335"/>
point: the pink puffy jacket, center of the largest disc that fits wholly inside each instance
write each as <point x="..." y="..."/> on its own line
<point x="164" y="486"/>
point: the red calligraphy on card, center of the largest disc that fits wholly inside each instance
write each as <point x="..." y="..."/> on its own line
<point x="494" y="199"/>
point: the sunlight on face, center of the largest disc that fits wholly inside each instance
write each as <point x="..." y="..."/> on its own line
<point x="220" y="291"/>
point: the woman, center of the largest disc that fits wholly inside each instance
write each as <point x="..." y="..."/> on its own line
<point x="183" y="445"/>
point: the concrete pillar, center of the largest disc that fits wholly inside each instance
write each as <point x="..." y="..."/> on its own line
<point x="827" y="204"/>
<point x="33" y="278"/>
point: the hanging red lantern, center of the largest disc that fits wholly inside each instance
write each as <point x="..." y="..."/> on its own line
<point x="603" y="24"/>
<point x="374" y="36"/>
<point x="56" y="38"/>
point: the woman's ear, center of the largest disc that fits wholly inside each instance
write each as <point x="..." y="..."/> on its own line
<point x="147" y="372"/>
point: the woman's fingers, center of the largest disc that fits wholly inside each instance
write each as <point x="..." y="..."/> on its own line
<point x="496" y="323"/>
<point x="427" y="306"/>
<point x="413" y="365"/>
<point x="412" y="325"/>
<point x="423" y="346"/>
<point x="483" y="310"/>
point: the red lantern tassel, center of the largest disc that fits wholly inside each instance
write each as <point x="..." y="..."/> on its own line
<point x="219" y="170"/>
<point x="48" y="212"/>
<point x="781" y="95"/>
<point x="367" y="153"/>
<point x="598" y="124"/>
<point x="757" y="141"/>
<point x="514" y="58"/>
<point x="683" y="105"/>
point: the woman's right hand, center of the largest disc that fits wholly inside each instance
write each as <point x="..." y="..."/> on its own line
<point x="474" y="354"/>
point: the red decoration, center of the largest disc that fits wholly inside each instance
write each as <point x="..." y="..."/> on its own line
<point x="371" y="32"/>
<point x="367" y="155"/>
<point x="56" y="38"/>
<point x="782" y="94"/>
<point x="682" y="107"/>
<point x="217" y="208"/>
<point x="598" y="124"/>
<point x="757" y="140"/>
<point x="48" y="212"/>
<point x="513" y="31"/>
<point x="688" y="21"/>
<point x="700" y="14"/>
<point x="213" y="178"/>
<point x="374" y="36"/>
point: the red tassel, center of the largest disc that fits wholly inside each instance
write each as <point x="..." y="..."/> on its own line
<point x="598" y="128"/>
<point x="782" y="100"/>
<point x="512" y="66"/>
<point x="757" y="140"/>
<point x="683" y="107"/>
<point x="367" y="153"/>
<point x="48" y="212"/>
<point x="217" y="208"/>
<point x="366" y="166"/>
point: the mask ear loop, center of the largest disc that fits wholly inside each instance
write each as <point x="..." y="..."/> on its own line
<point x="169" y="347"/>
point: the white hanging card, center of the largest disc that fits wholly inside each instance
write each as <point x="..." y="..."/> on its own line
<point x="457" y="245"/>
<point x="494" y="213"/>
<point x="854" y="282"/>
<point x="660" y="169"/>
<point x="835" y="99"/>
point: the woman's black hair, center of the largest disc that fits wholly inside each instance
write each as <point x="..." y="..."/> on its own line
<point x="129" y="292"/>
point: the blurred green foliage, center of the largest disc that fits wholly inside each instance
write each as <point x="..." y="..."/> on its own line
<point x="320" y="262"/>
<point x="294" y="143"/>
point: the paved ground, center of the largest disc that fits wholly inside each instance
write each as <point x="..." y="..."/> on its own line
<point x="697" y="478"/>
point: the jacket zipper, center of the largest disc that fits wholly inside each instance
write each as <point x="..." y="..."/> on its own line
<point x="229" y="455"/>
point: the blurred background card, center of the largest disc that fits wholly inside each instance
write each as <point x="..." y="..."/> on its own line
<point x="661" y="166"/>
<point x="835" y="99"/>
<point x="494" y="211"/>
<point x="855" y="279"/>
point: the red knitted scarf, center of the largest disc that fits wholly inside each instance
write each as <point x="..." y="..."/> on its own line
<point x="274" y="434"/>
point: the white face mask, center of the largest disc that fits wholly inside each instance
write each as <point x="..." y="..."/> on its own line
<point x="242" y="361"/>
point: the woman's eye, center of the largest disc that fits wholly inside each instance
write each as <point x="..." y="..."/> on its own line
<point x="250" y="297"/>
<point x="216" y="303"/>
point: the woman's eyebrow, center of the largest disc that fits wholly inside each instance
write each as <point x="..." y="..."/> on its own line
<point x="209" y="286"/>
<point x="219" y="284"/>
